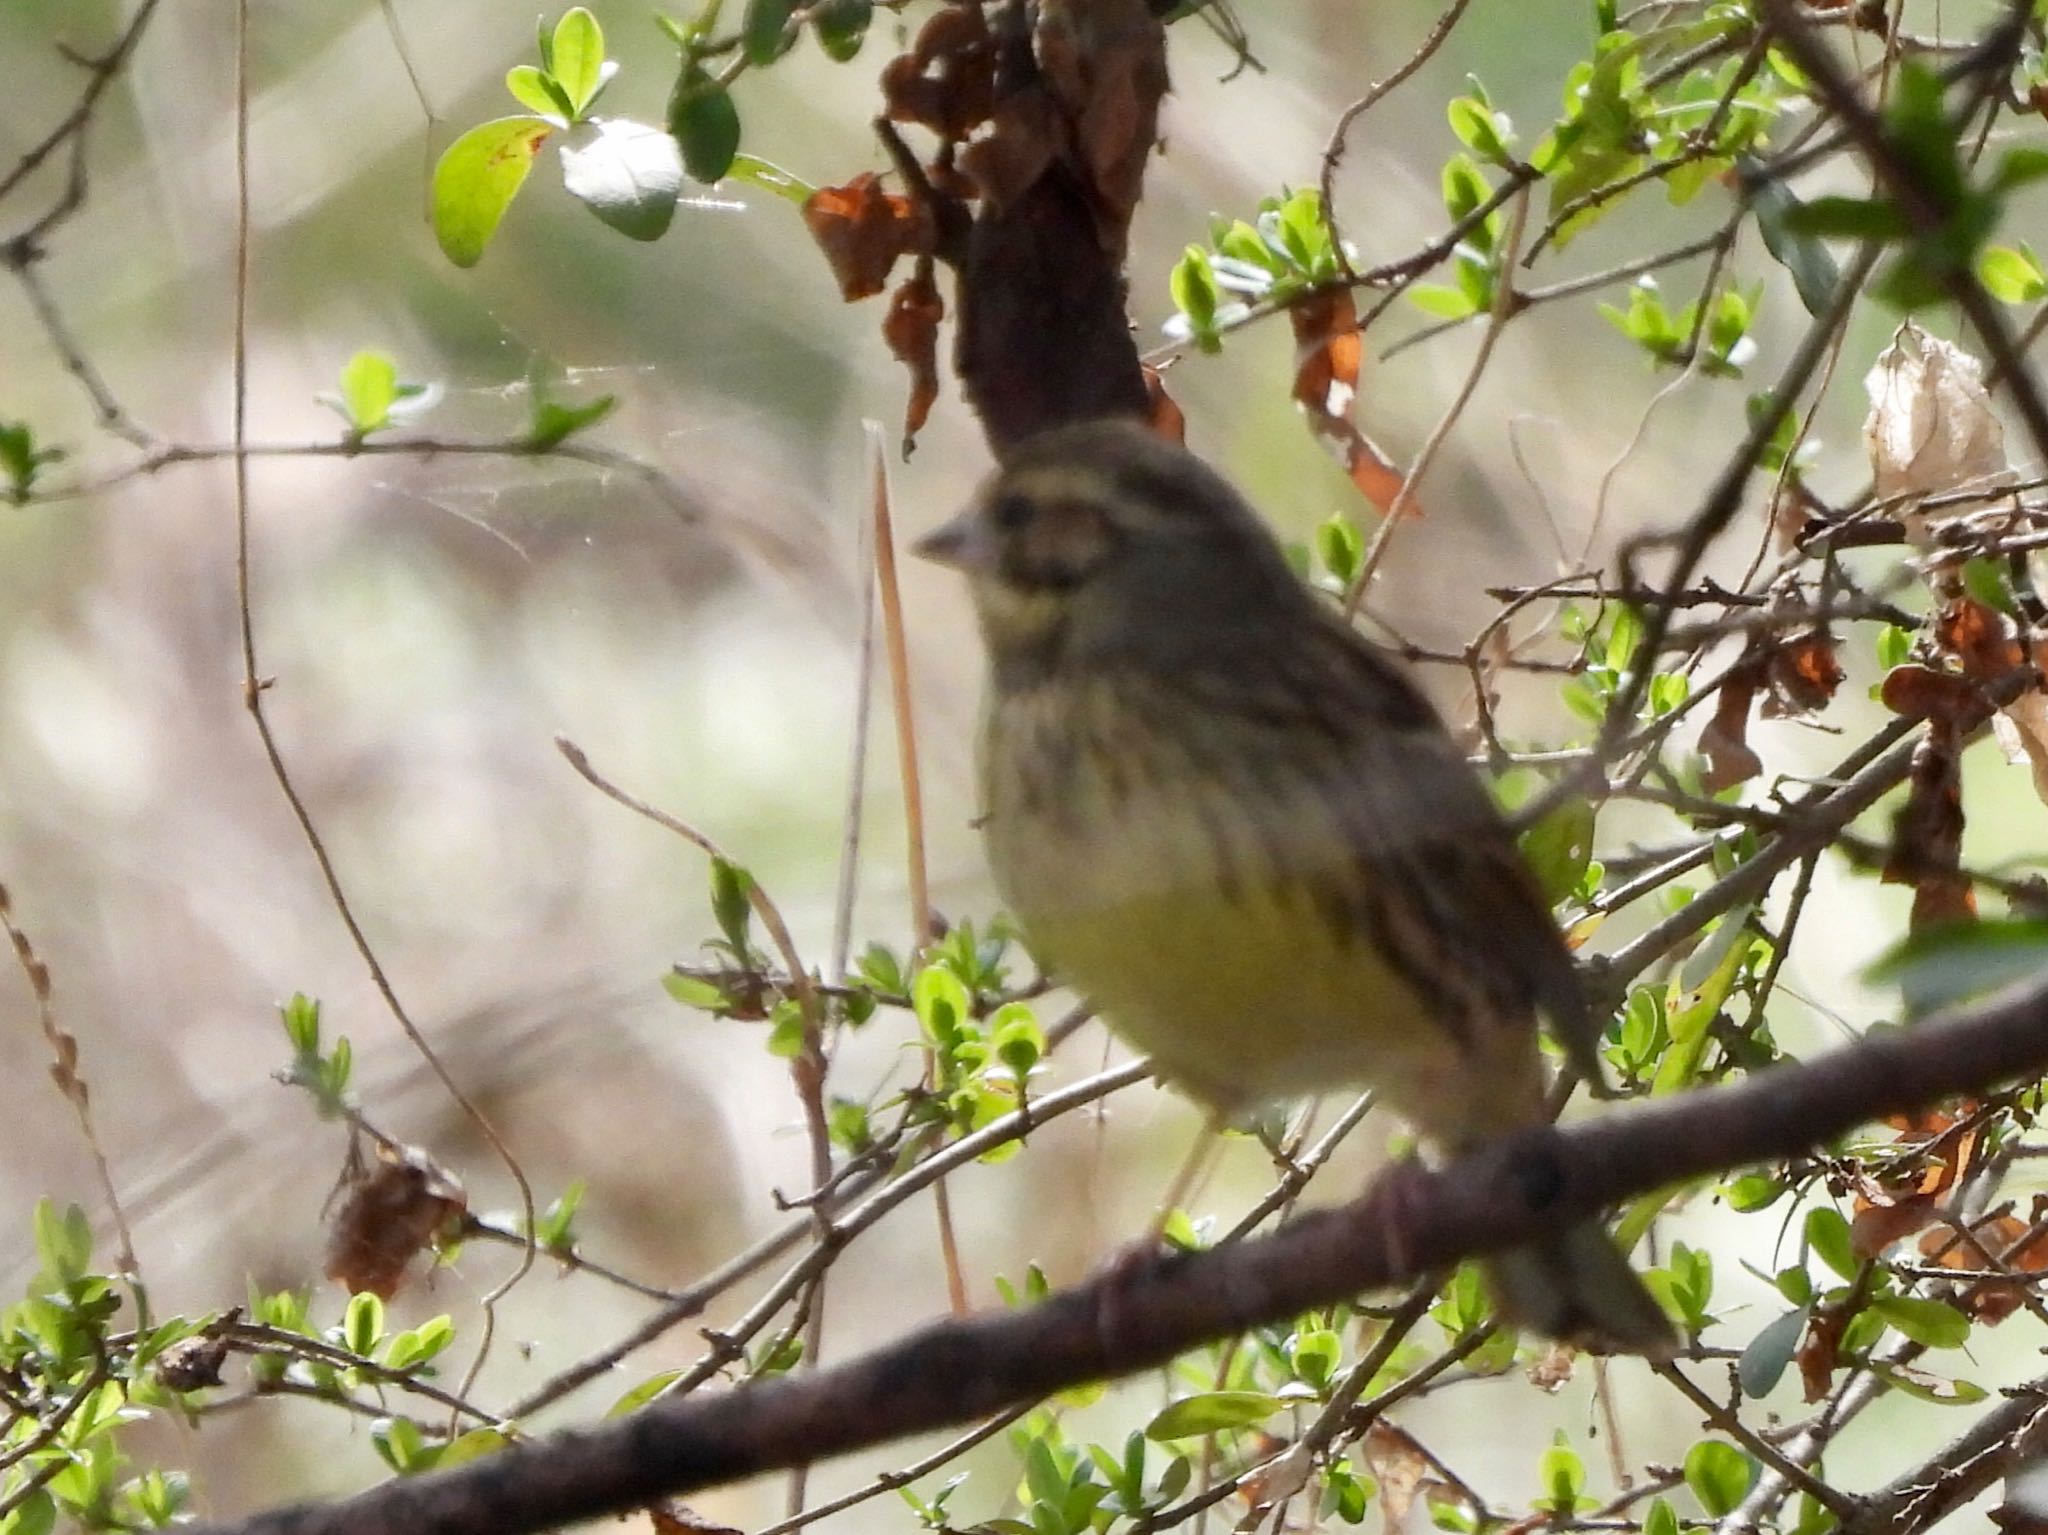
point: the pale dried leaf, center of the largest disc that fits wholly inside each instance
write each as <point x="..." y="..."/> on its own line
<point x="2022" y="731"/>
<point x="1930" y="429"/>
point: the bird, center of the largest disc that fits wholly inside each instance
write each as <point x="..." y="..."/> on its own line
<point x="1235" y="826"/>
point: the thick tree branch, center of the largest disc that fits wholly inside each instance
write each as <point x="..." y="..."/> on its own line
<point x="1410" y="1223"/>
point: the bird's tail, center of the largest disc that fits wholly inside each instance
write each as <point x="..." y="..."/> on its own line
<point x="1577" y="1287"/>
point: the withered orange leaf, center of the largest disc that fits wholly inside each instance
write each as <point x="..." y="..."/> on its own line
<point x="2005" y="1241"/>
<point x="862" y="230"/>
<point x="1166" y="418"/>
<point x="1880" y="1222"/>
<point x="947" y="81"/>
<point x="672" y="1518"/>
<point x="387" y="1216"/>
<point x="1922" y="693"/>
<point x="911" y="329"/>
<point x="1803" y="674"/>
<point x="1724" y="741"/>
<point x="1980" y="637"/>
<point x="1328" y="353"/>
<point x="1820" y="1350"/>
<point x="1927" y="834"/>
<point x="1104" y="62"/>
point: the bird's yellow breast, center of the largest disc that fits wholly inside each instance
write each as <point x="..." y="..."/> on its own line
<point x="1199" y="918"/>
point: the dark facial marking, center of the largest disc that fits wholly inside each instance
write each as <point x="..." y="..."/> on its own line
<point x="1053" y="545"/>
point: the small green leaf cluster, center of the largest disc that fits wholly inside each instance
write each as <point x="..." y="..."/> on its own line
<point x="1624" y="125"/>
<point x="1608" y="644"/>
<point x="21" y="460"/>
<point x="628" y="173"/>
<point x="1475" y="262"/>
<point x="1945" y="239"/>
<point x="1287" y="250"/>
<point x="75" y="1386"/>
<point x="1725" y="342"/>
<point x="325" y="1075"/>
<point x="372" y="398"/>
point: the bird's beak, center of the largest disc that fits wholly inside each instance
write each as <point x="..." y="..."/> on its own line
<point x="961" y="543"/>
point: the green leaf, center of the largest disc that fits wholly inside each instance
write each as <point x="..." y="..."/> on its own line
<point x="1442" y="300"/>
<point x="1211" y="1412"/>
<point x="941" y="1004"/>
<point x="765" y="34"/>
<point x="769" y="177"/>
<point x="2012" y="275"/>
<point x="1315" y="1354"/>
<point x="301" y="1019"/>
<point x="1952" y="962"/>
<point x="1019" y="1041"/>
<point x="1931" y="1323"/>
<point x="1193" y="286"/>
<point x="369" y="388"/>
<point x="1559" y="846"/>
<point x="63" y="1244"/>
<point x="1719" y="1475"/>
<point x="363" y="1323"/>
<point x="705" y="123"/>
<point x="1848" y="218"/>
<point x="1769" y="1354"/>
<point x="643" y="1393"/>
<point x="1827" y="1233"/>
<point x="1928" y="1388"/>
<point x="476" y="179"/>
<point x="731" y="903"/>
<point x="475" y="1444"/>
<point x="538" y="91"/>
<point x="1662" y="1519"/>
<point x="694" y="992"/>
<point x="1482" y="130"/>
<point x="2017" y="167"/>
<point x="577" y="59"/>
<point x="21" y="459"/>
<point x="1814" y="271"/>
<point x="627" y="173"/>
<point x="554" y="422"/>
<point x="1753" y="1191"/>
<point x="842" y="26"/>
<point x="1340" y="546"/>
<point x="1562" y="1475"/>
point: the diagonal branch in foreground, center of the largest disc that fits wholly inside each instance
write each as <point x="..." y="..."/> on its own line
<point x="1410" y="1222"/>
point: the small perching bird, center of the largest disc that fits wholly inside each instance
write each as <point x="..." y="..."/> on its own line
<point x="1223" y="817"/>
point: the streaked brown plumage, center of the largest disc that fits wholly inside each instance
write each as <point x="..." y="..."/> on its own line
<point x="1246" y="836"/>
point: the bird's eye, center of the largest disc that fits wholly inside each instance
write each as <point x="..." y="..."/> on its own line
<point x="1010" y="513"/>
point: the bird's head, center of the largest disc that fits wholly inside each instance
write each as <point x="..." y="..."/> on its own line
<point x="1102" y="540"/>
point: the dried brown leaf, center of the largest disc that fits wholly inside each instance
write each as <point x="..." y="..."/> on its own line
<point x="1880" y="1221"/>
<point x="672" y="1518"/>
<point x="1922" y="693"/>
<point x="911" y="329"/>
<point x="1931" y="429"/>
<point x="1803" y="674"/>
<point x="1820" y="1350"/>
<point x="1166" y="417"/>
<point x="1328" y="353"/>
<point x="1927" y="834"/>
<point x="1724" y="741"/>
<point x="1104" y="64"/>
<point x="387" y="1216"/>
<point x="1400" y="1465"/>
<point x="863" y="229"/>
<point x="1983" y="639"/>
<point x="947" y="81"/>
